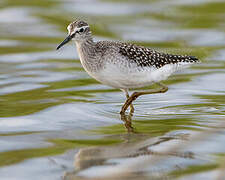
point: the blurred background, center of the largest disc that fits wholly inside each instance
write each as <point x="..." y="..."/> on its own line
<point x="56" y="122"/>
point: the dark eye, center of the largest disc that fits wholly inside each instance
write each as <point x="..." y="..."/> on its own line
<point x="81" y="30"/>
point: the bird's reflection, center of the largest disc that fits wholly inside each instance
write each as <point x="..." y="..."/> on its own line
<point x="128" y="160"/>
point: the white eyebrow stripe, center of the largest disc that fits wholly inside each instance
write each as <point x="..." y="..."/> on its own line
<point x="77" y="29"/>
<point x="83" y="27"/>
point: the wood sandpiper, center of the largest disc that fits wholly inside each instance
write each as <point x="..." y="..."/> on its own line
<point x="123" y="65"/>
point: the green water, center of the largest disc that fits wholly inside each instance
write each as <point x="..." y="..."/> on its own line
<point x="57" y="121"/>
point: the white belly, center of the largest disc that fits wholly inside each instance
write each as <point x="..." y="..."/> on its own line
<point x="121" y="78"/>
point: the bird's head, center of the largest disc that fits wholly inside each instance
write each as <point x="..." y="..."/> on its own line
<point x="77" y="31"/>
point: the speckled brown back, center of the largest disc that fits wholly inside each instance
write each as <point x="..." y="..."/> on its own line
<point x="147" y="57"/>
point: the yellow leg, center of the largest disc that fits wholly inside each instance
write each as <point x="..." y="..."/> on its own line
<point x="131" y="105"/>
<point x="135" y="95"/>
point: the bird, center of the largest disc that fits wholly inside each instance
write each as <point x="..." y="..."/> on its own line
<point x="124" y="65"/>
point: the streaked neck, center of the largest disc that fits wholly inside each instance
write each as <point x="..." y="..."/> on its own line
<point x="87" y="53"/>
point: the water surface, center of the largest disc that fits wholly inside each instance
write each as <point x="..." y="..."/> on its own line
<point x="57" y="122"/>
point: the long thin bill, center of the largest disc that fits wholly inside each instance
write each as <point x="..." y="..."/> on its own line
<point x="64" y="42"/>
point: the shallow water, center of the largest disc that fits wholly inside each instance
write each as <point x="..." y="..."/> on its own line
<point x="56" y="121"/>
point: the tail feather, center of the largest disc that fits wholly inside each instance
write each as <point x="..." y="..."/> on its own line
<point x="174" y="59"/>
<point x="172" y="63"/>
<point x="161" y="59"/>
<point x="193" y="59"/>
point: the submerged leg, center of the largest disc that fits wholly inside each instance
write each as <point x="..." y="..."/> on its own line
<point x="135" y="95"/>
<point x="127" y="119"/>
